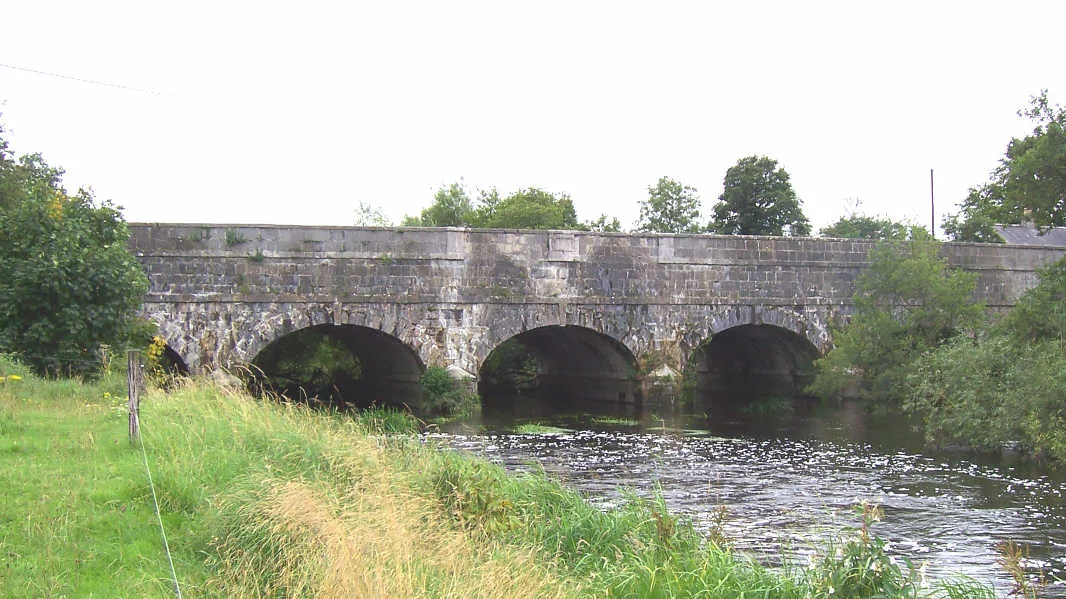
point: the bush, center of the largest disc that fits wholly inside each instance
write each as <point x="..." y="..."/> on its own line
<point x="68" y="283"/>
<point x="443" y="395"/>
<point x="1005" y="386"/>
<point x="907" y="302"/>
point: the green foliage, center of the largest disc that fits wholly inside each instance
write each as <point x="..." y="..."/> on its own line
<point x="986" y="393"/>
<point x="472" y="493"/>
<point x="906" y="302"/>
<point x="861" y="566"/>
<point x="368" y="215"/>
<point x="531" y="208"/>
<point x="437" y="381"/>
<point x="603" y="225"/>
<point x="308" y="364"/>
<point x="975" y="226"/>
<point x="68" y="283"/>
<point x="1040" y="314"/>
<point x="235" y="237"/>
<point x="670" y="208"/>
<point x="452" y="207"/>
<point x="384" y="420"/>
<point x="1028" y="185"/>
<point x="1004" y="386"/>
<point x="511" y="365"/>
<point x="444" y="396"/>
<point x="758" y="200"/>
<point x="261" y="498"/>
<point x="866" y="227"/>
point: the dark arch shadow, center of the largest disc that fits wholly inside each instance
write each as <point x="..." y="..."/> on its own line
<point x="173" y="363"/>
<point x="339" y="366"/>
<point x="750" y="362"/>
<point x="560" y="366"/>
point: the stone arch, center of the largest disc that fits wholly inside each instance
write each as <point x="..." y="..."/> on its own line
<point x="801" y="320"/>
<point x="388" y="370"/>
<point x="175" y="361"/>
<point x="568" y="361"/>
<point x="750" y="360"/>
<point x="273" y="322"/>
<point x="500" y="322"/>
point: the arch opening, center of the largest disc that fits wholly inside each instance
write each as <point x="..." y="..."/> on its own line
<point x="751" y="362"/>
<point x="173" y="364"/>
<point x="169" y="366"/>
<point x="558" y="367"/>
<point x="339" y="366"/>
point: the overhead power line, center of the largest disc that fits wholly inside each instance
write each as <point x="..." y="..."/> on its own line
<point x="82" y="80"/>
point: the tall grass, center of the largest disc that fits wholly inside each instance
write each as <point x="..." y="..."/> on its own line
<point x="264" y="499"/>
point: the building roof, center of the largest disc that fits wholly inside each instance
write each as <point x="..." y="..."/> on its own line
<point x="1030" y="235"/>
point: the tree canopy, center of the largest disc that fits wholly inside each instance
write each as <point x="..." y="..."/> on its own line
<point x="758" y="200"/>
<point x="451" y="207"/>
<point x="1003" y="384"/>
<point x="531" y="208"/>
<point x="909" y="300"/>
<point x="368" y="215"/>
<point x="868" y="227"/>
<point x="670" y="208"/>
<point x="1029" y="185"/>
<point x="68" y="283"/>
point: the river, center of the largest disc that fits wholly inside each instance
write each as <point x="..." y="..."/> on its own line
<point x="786" y="478"/>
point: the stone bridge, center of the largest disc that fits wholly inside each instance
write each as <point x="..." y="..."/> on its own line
<point x="608" y="310"/>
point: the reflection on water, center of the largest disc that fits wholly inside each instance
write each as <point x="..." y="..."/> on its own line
<point x="788" y="479"/>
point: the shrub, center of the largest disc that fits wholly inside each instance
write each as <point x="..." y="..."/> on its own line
<point x="444" y="396"/>
<point x="907" y="302"/>
<point x="68" y="283"/>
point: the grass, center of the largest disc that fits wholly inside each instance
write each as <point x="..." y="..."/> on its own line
<point x="614" y="421"/>
<point x="533" y="428"/>
<point x="262" y="499"/>
<point x="75" y="515"/>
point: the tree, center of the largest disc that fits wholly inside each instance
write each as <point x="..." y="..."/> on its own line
<point x="368" y="215"/>
<point x="1040" y="314"/>
<point x="530" y="208"/>
<point x="1029" y="185"/>
<point x="975" y="226"/>
<point x="1006" y="384"/>
<point x="670" y="208"/>
<point x="68" y="283"/>
<point x="758" y="200"/>
<point x="603" y="225"/>
<point x="866" y="227"/>
<point x="908" y="301"/>
<point x="451" y="207"/>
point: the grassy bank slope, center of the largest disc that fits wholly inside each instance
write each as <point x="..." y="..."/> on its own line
<point x="268" y="500"/>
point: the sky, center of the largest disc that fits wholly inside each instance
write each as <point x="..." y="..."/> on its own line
<point x="297" y="113"/>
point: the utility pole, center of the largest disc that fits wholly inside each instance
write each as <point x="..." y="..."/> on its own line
<point x="932" y="207"/>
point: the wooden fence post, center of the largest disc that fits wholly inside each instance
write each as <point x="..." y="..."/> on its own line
<point x="135" y="379"/>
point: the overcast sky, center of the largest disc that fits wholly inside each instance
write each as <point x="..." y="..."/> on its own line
<point x="294" y="113"/>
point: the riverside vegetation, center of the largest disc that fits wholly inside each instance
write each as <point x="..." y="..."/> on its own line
<point x="918" y="341"/>
<point x="270" y="499"/>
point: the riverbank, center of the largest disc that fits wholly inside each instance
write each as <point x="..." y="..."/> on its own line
<point x="265" y="499"/>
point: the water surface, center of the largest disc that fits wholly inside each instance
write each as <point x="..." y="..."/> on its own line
<point x="788" y="480"/>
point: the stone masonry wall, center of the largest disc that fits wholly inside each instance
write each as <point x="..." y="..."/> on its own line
<point x="222" y="292"/>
